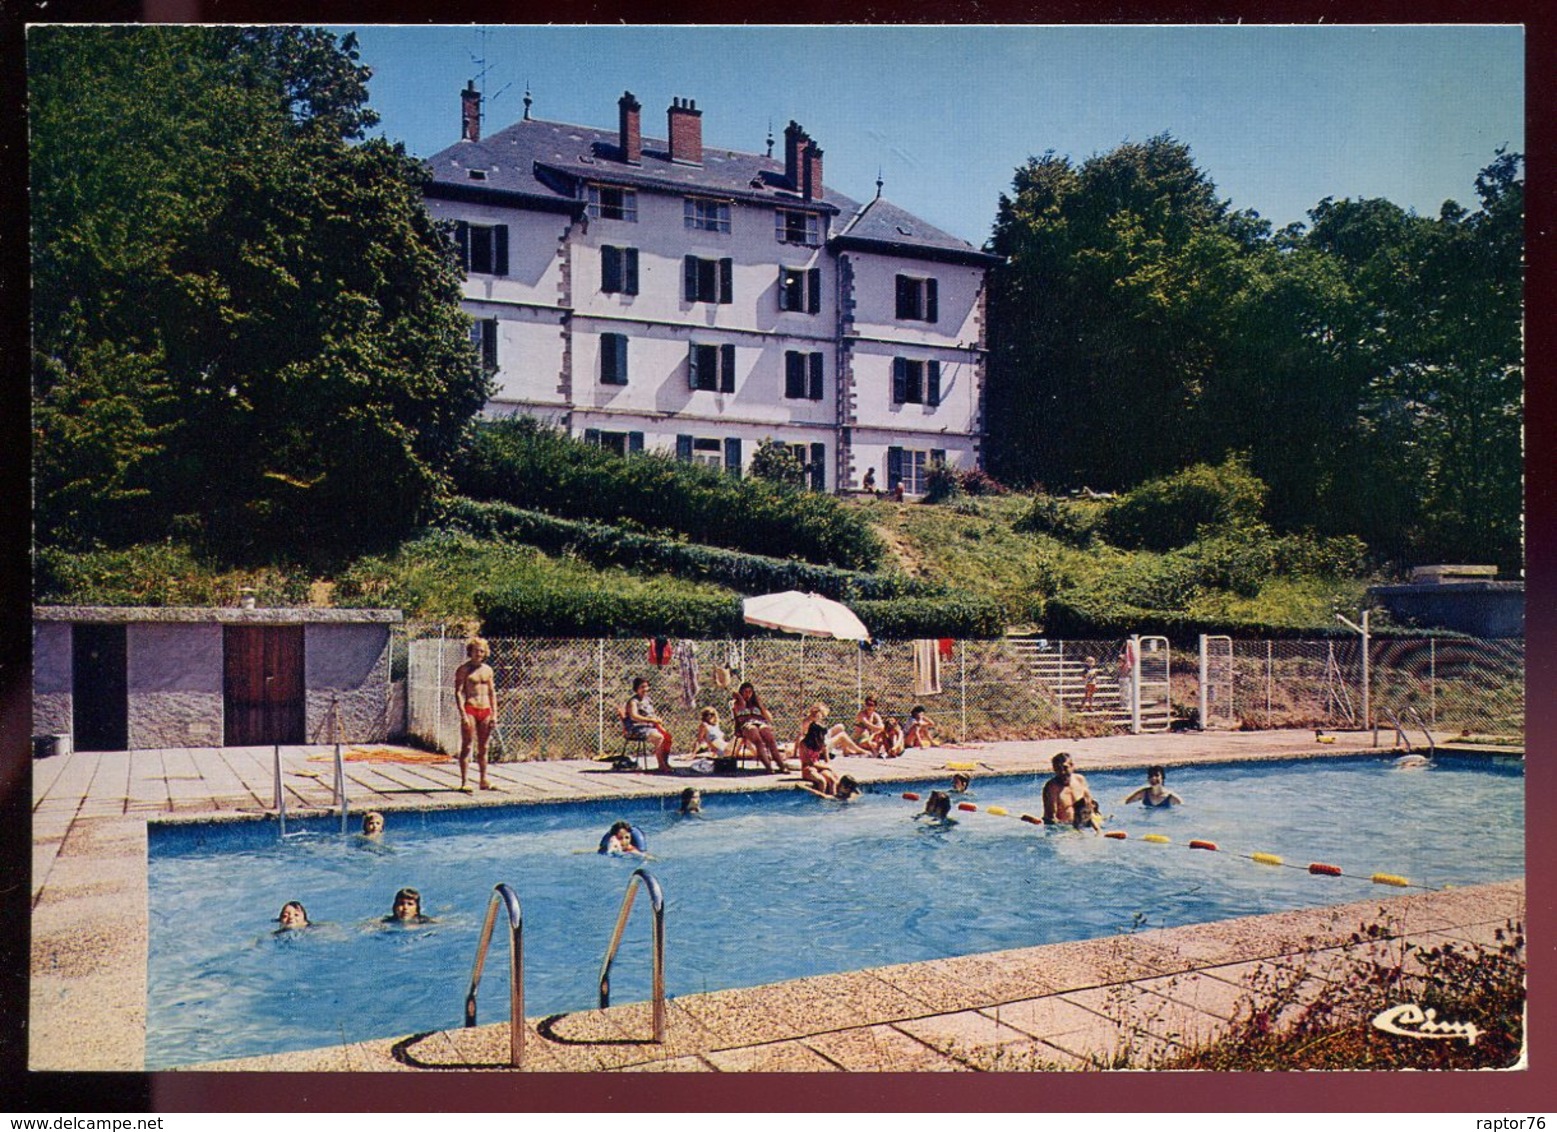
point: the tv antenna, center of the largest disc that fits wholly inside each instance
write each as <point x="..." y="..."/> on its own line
<point x="483" y="67"/>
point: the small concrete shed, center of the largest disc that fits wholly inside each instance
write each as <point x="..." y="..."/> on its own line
<point x="115" y="678"/>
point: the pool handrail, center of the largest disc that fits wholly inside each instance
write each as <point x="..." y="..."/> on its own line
<point x="281" y="797"/>
<point x="1416" y="717"/>
<point x="1400" y="731"/>
<point x="657" y="904"/>
<point x="340" y="766"/>
<point x="501" y="892"/>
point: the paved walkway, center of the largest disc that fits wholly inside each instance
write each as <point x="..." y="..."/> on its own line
<point x="1054" y="1007"/>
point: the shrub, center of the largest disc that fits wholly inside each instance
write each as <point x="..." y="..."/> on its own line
<point x="1342" y="556"/>
<point x="525" y="463"/>
<point x="1068" y="521"/>
<point x="157" y="574"/>
<point x="1165" y="513"/>
<point x="962" y="616"/>
<point x="777" y="463"/>
<point x="941" y="483"/>
<point x="603" y="545"/>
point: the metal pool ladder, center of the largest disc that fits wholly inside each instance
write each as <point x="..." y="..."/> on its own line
<point x="515" y="969"/>
<point x="657" y="904"/>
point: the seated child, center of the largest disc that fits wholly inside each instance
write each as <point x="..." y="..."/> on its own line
<point x="1154" y="793"/>
<point x="868" y="726"/>
<point x="293" y="915"/>
<point x="710" y="736"/>
<point x="812" y="749"/>
<point x="891" y="740"/>
<point x="921" y="729"/>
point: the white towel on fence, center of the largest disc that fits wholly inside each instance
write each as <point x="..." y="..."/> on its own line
<point x="688" y="653"/>
<point x="927" y="668"/>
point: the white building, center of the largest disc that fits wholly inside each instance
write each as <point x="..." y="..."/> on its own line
<point x="661" y="295"/>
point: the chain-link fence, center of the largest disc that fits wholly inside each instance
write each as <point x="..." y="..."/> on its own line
<point x="563" y="698"/>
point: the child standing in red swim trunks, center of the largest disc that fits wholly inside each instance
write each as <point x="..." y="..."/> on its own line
<point x="475" y="694"/>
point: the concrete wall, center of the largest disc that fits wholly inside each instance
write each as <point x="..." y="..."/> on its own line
<point x="51" y="678"/>
<point x="1482" y="609"/>
<point x="349" y="663"/>
<point x="175" y="684"/>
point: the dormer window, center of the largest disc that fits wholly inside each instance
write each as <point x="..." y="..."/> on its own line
<point x="792" y="227"/>
<point x="476" y="174"/>
<point x="611" y="202"/>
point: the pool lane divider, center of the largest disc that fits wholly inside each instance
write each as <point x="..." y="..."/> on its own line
<point x="1316" y="868"/>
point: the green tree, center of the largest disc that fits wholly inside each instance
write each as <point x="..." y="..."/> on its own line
<point x="777" y="463"/>
<point x="245" y="321"/>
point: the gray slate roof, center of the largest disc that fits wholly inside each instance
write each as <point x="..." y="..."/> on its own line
<point x="541" y="164"/>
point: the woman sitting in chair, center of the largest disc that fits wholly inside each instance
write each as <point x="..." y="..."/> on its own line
<point x="639" y="721"/>
<point x="754" y="723"/>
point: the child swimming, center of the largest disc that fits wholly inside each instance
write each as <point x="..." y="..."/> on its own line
<point x="623" y="838"/>
<point x="293" y="915"/>
<point x="1154" y="793"/>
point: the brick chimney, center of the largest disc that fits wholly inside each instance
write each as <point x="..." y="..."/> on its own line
<point x="686" y="131"/>
<point x="813" y="172"/>
<point x="628" y="109"/>
<point x="794" y="137"/>
<point x="470" y="113"/>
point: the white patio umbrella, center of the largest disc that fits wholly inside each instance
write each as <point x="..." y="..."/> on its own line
<point x="808" y="614"/>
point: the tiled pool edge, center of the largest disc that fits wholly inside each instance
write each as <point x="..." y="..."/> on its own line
<point x="1066" y="1005"/>
<point x="89" y="876"/>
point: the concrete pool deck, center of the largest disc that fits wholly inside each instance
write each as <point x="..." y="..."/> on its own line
<point x="1066" y="1005"/>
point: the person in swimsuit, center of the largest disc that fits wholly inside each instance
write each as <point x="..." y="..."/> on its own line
<point x="837" y="735"/>
<point x="868" y="726"/>
<point x="921" y="729"/>
<point x="1085" y="815"/>
<point x="639" y="717"/>
<point x="710" y="736"/>
<point x="407" y="908"/>
<point x="1089" y="680"/>
<point x="622" y="840"/>
<point x="1063" y="791"/>
<point x="691" y="801"/>
<point x="812" y="749"/>
<point x="372" y="824"/>
<point x="891" y="739"/>
<point x="475" y="695"/>
<point x="937" y="806"/>
<point x="754" y="723"/>
<point x="293" y="915"/>
<point x="960" y="783"/>
<point x="1154" y="793"/>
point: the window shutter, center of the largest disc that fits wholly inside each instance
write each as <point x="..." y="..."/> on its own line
<point x="607" y="359"/>
<point x="894" y="466"/>
<point x="932" y="396"/>
<point x="931" y="304"/>
<point x="727" y="281"/>
<point x="937" y="456"/>
<point x="630" y="270"/>
<point x="635" y="442"/>
<point x="899" y="380"/>
<point x="500" y="252"/>
<point x="818" y="462"/>
<point x="815" y="392"/>
<point x="610" y="268"/>
<point x="692" y="366"/>
<point x="904" y="297"/>
<point x="684" y="449"/>
<point x="689" y="277"/>
<point x="592" y="436"/>
<point x="814" y="290"/>
<point x="462" y="241"/>
<point x="727" y="368"/>
<point x="732" y="455"/>
<point x="783" y="288"/>
<point x="794" y="374"/>
<point x="489" y="344"/>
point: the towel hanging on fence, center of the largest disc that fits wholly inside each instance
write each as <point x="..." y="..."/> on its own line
<point x="660" y="652"/>
<point x="927" y="668"/>
<point x="688" y="653"/>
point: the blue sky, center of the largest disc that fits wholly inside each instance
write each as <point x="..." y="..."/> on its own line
<point x="1279" y="117"/>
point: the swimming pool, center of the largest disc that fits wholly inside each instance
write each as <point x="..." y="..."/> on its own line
<point x="762" y="887"/>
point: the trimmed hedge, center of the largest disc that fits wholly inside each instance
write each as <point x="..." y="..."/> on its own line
<point x="522" y="611"/>
<point x="603" y="545"/>
<point x="527" y="464"/>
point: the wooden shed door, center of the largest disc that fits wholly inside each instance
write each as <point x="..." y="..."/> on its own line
<point x="100" y="712"/>
<point x="263" y="684"/>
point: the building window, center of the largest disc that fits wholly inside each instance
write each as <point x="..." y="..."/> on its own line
<point x="608" y="202"/>
<point x="708" y="280"/>
<point x="916" y="299"/>
<point x="707" y="215"/>
<point x="711" y="368"/>
<point x="613" y="359"/>
<point x="619" y="270"/>
<point x="708" y="451"/>
<point x="916" y="383"/>
<point x="797" y="227"/>
<point x="802" y="375"/>
<point x="483" y="336"/>
<point x="910" y="466"/>
<point x="622" y="443"/>
<point x="800" y="289"/>
<point x="483" y="247"/>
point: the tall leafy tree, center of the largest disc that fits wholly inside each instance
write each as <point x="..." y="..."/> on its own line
<point x="246" y="326"/>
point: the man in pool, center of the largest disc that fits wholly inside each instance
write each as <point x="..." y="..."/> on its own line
<point x="475" y="695"/>
<point x="1063" y="791"/>
<point x="1154" y="793"/>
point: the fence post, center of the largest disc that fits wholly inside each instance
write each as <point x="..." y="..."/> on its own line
<point x="1270" y="677"/>
<point x="600" y="742"/>
<point x="1062" y="684"/>
<point x="962" y="686"/>
<point x="1204" y="677"/>
<point x="1432" y="680"/>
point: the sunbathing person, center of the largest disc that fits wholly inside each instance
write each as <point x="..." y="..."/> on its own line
<point x="710" y="736"/>
<point x="754" y="723"/>
<point x="838" y="740"/>
<point x="891" y="740"/>
<point x="868" y="726"/>
<point x="921" y="729"/>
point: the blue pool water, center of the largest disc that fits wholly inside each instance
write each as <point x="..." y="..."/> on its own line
<point x="762" y="887"/>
